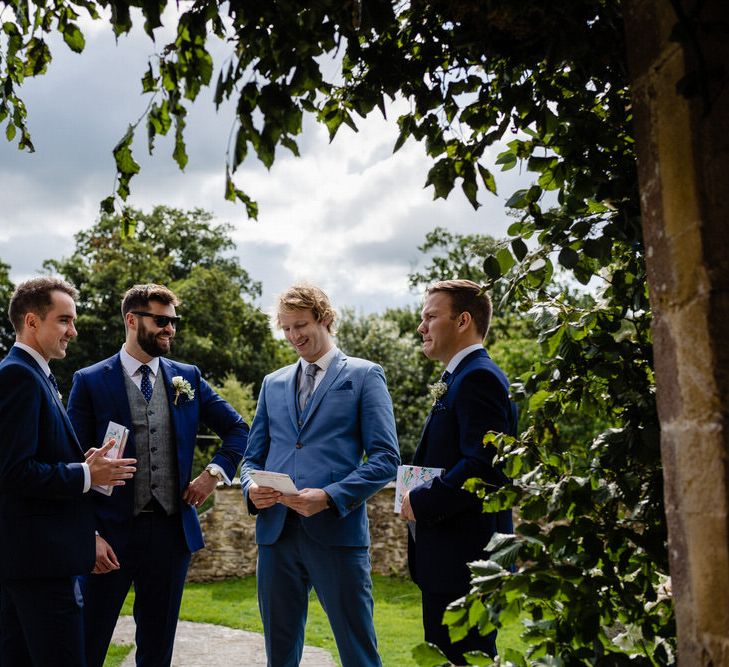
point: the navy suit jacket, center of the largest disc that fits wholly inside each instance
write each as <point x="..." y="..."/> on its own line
<point x="450" y="529"/>
<point x="46" y="521"/>
<point x="99" y="395"/>
<point x="348" y="416"/>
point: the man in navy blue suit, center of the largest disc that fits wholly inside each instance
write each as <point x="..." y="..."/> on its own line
<point x="147" y="531"/>
<point x="316" y="420"/>
<point x="46" y="516"/>
<point x="450" y="529"/>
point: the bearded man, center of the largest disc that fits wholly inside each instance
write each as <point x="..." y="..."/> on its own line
<point x="148" y="529"/>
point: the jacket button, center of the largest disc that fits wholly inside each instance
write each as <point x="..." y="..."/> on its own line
<point x="299" y="445"/>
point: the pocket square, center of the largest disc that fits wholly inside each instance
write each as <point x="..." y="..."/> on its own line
<point x="347" y="384"/>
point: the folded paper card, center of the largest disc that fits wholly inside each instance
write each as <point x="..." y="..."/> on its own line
<point x="120" y="434"/>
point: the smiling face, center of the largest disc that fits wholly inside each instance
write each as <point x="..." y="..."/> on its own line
<point x="439" y="328"/>
<point x="144" y="338"/>
<point x="51" y="334"/>
<point x="310" y="339"/>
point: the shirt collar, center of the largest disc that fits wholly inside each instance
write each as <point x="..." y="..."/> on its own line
<point x="459" y="356"/>
<point x="323" y="362"/>
<point x="36" y="356"/>
<point x="131" y="365"/>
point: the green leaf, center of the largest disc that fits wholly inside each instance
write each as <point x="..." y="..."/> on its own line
<point x="507" y="160"/>
<point x="519" y="248"/>
<point x="568" y="258"/>
<point x="488" y="178"/>
<point x="107" y="205"/>
<point x="442" y="177"/>
<point x="470" y="189"/>
<point x="491" y="267"/>
<point x="429" y="655"/>
<point x="505" y="259"/>
<point x="74" y="38"/>
<point x="517" y="200"/>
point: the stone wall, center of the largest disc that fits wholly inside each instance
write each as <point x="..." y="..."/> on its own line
<point x="231" y="545"/>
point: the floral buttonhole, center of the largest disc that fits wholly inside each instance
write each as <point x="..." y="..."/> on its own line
<point x="437" y="391"/>
<point x="182" y="388"/>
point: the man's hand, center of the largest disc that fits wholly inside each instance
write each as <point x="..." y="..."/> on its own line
<point x="109" y="472"/>
<point x="307" y="502"/>
<point x="263" y="496"/>
<point x="106" y="560"/>
<point x="406" y="510"/>
<point x="200" y="488"/>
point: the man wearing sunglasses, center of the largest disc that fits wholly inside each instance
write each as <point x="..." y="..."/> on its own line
<point x="147" y="532"/>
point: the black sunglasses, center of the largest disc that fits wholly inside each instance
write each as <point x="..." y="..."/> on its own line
<point x="160" y="320"/>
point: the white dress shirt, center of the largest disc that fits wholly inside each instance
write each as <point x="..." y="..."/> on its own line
<point x="459" y="356"/>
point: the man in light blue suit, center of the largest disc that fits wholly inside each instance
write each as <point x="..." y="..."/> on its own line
<point x="316" y="420"/>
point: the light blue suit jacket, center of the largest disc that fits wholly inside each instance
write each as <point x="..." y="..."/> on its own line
<point x="349" y="416"/>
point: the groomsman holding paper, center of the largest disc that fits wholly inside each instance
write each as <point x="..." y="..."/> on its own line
<point x="148" y="530"/>
<point x="472" y="399"/>
<point x="315" y="421"/>
<point x="46" y="515"/>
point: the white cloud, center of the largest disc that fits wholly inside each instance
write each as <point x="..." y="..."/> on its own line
<point x="347" y="215"/>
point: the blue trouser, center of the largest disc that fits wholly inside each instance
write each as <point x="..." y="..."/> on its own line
<point x="40" y="623"/>
<point x="288" y="569"/>
<point x="155" y="561"/>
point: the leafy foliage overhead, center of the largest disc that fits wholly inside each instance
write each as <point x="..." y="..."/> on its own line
<point x="549" y="81"/>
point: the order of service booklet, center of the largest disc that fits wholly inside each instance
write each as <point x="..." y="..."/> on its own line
<point x="408" y="477"/>
<point x="120" y="434"/>
<point x="279" y="481"/>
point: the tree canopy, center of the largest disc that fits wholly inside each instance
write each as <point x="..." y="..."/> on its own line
<point x="187" y="252"/>
<point x="548" y="83"/>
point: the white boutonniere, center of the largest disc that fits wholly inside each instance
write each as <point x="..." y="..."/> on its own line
<point x="182" y="388"/>
<point x="437" y="391"/>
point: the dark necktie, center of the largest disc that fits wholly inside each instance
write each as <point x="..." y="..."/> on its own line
<point x="146" y="385"/>
<point x="52" y="378"/>
<point x="307" y="388"/>
<point x="445" y="376"/>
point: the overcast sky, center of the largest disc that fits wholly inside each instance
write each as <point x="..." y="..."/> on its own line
<point x="347" y="216"/>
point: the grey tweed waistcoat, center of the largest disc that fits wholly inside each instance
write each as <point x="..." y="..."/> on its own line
<point x="156" y="475"/>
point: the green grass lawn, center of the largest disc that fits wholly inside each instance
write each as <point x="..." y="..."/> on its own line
<point x="233" y="603"/>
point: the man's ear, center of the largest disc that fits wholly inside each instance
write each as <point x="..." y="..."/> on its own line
<point x="130" y="321"/>
<point x="464" y="320"/>
<point x="30" y="321"/>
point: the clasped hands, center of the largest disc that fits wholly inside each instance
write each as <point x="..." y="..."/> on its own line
<point x="307" y="502"/>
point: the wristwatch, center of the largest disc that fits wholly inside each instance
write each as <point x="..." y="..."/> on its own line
<point x="215" y="472"/>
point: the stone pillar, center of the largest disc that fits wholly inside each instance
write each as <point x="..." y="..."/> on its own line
<point x="683" y="159"/>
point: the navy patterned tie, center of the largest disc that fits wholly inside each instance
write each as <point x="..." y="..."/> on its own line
<point x="445" y="376"/>
<point x="307" y="388"/>
<point x="52" y="378"/>
<point x="146" y="385"/>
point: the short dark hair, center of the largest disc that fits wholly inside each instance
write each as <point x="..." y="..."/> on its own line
<point x="467" y="297"/>
<point x="36" y="296"/>
<point x="139" y="296"/>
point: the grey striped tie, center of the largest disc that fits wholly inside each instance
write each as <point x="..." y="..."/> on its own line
<point x="307" y="388"/>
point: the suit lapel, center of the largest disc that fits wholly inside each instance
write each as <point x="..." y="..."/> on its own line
<point x="117" y="395"/>
<point x="420" y="451"/>
<point x="165" y="376"/>
<point x="291" y="391"/>
<point x="25" y="358"/>
<point x="335" y="368"/>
